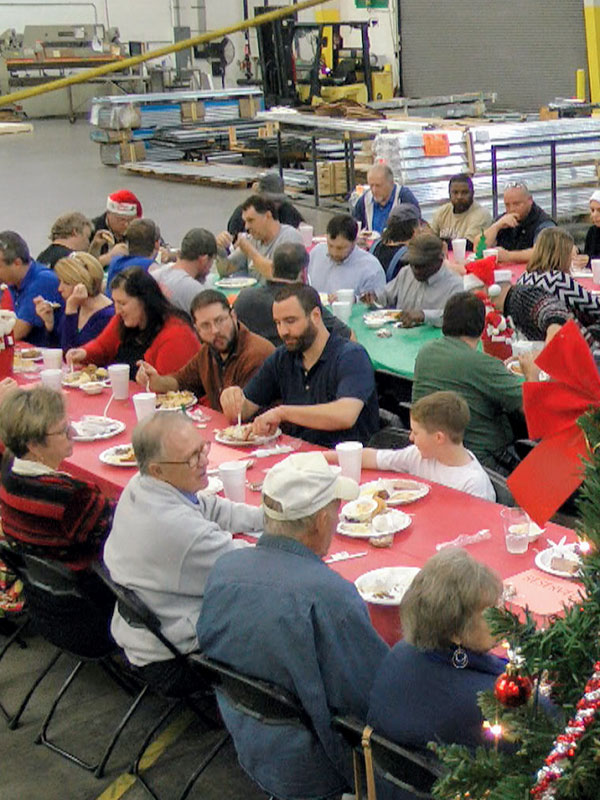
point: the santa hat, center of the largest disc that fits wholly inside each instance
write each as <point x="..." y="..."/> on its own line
<point x="125" y="203"/>
<point x="483" y="273"/>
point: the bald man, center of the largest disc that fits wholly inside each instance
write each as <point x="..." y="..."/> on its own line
<point x="373" y="207"/>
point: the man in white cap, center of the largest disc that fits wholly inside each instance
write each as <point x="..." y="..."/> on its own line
<point x="109" y="228"/>
<point x="277" y="612"/>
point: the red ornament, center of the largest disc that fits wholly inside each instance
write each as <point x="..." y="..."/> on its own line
<point x="513" y="690"/>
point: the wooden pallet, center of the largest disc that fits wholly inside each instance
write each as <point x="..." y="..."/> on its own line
<point x="224" y="176"/>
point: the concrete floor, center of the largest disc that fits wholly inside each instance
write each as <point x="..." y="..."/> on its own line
<point x="57" y="169"/>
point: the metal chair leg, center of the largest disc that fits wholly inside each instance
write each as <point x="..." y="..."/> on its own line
<point x="13" y="719"/>
<point x="135" y="767"/>
<point x="99" y="771"/>
<point x="223" y="739"/>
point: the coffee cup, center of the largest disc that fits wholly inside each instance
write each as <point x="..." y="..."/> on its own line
<point x="52" y="379"/>
<point x="119" y="380"/>
<point x="233" y="476"/>
<point x="350" y="459"/>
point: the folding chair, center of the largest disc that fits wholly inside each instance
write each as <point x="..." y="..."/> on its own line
<point x="136" y="613"/>
<point x="66" y="611"/>
<point x="410" y="771"/>
<point x="503" y="493"/>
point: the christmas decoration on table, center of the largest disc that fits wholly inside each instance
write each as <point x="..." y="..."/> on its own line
<point x="552" y="471"/>
<point x="498" y="332"/>
<point x="481" y="246"/>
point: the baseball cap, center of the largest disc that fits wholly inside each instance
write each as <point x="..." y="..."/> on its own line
<point x="426" y="248"/>
<point x="302" y="484"/>
<point x="405" y="212"/>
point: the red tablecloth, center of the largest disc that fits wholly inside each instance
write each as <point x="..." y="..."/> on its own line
<point x="440" y="516"/>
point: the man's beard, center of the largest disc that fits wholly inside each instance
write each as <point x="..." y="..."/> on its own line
<point x="301" y="343"/>
<point x="462" y="206"/>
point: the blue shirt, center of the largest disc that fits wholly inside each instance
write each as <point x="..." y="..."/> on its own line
<point x="380" y="214"/>
<point x="38" y="280"/>
<point x="360" y="271"/>
<point x="71" y="335"/>
<point x="119" y="263"/>
<point x="277" y="612"/>
<point x="342" y="370"/>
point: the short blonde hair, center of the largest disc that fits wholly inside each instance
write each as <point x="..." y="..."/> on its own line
<point x="442" y="411"/>
<point x="81" y="268"/>
<point x="552" y="251"/>
<point x="441" y="602"/>
<point x="67" y="223"/>
<point x="26" y="416"/>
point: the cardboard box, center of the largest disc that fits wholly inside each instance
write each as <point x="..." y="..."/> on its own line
<point x="192" y="111"/>
<point x="107" y="136"/>
<point x="124" y="153"/>
<point x="331" y="177"/>
<point x="249" y="107"/>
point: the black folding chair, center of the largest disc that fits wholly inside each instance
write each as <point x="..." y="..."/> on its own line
<point x="503" y="493"/>
<point x="136" y="613"/>
<point x="406" y="769"/>
<point x="65" y="610"/>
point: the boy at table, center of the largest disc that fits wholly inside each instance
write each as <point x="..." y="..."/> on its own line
<point x="437" y="426"/>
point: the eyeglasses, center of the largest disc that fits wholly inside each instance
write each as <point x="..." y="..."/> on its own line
<point x="194" y="459"/>
<point x="516" y="185"/>
<point x="66" y="430"/>
<point x="218" y="322"/>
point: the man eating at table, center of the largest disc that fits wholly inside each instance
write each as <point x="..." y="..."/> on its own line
<point x="230" y="353"/>
<point x="278" y="613"/>
<point x="325" y="384"/>
<point x="166" y="536"/>
<point x="422" y="289"/>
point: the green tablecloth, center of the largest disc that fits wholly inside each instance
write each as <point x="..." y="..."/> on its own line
<point x="397" y="354"/>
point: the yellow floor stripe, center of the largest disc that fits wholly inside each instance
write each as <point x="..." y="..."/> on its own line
<point x="152" y="753"/>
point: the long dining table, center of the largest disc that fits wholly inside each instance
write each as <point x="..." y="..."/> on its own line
<point x="440" y="516"/>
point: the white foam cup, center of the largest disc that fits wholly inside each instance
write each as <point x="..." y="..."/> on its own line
<point x="350" y="459"/>
<point x="53" y="357"/>
<point x="342" y="310"/>
<point x="306" y="232"/>
<point x="595" y="264"/>
<point x="233" y="476"/>
<point x="144" y="404"/>
<point x="52" y="379"/>
<point x="459" y="248"/>
<point x="119" y="380"/>
<point x="345" y="296"/>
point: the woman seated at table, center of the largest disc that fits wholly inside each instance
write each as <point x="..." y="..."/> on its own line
<point x="549" y="269"/>
<point x="145" y="326"/>
<point x="45" y="511"/>
<point x="87" y="310"/>
<point x="591" y="247"/>
<point x="426" y="688"/>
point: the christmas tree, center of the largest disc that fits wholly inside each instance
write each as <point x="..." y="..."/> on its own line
<point x="533" y="754"/>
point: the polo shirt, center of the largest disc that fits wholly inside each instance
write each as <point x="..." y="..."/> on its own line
<point x="360" y="271"/>
<point x="38" y="280"/>
<point x="342" y="370"/>
<point x="119" y="263"/>
<point x="491" y="391"/>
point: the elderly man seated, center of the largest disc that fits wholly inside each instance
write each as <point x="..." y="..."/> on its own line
<point x="462" y="217"/>
<point x="182" y="281"/>
<point x="254" y="250"/>
<point x="373" y="208"/>
<point x="420" y="291"/>
<point x="340" y="264"/>
<point x="27" y="279"/>
<point x="277" y="612"/>
<point x="165" y="540"/>
<point x="230" y="354"/>
<point x="325" y="384"/>
<point x="514" y="232"/>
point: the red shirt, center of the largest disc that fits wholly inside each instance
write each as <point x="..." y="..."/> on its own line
<point x="172" y="348"/>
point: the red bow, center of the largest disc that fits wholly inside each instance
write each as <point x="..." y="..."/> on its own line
<point x="553" y="470"/>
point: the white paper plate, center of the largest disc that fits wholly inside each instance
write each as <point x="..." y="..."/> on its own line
<point x="401" y="490"/>
<point x="80" y="378"/>
<point x="186" y="399"/>
<point x="381" y="316"/>
<point x="255" y="440"/>
<point x="214" y="486"/>
<point x="21" y="350"/>
<point x="111" y="456"/>
<point x="365" y="530"/>
<point x="544" y="558"/>
<point x="386" y="586"/>
<point x="235" y="283"/>
<point x="91" y="428"/>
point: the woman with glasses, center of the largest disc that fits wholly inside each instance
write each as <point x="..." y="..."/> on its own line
<point x="44" y="510"/>
<point x="87" y="310"/>
<point x="146" y="327"/>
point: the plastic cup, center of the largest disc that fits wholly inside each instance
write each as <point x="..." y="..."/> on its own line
<point x="306" y="232"/>
<point x="144" y="404"/>
<point x="595" y="263"/>
<point x="491" y="251"/>
<point x="342" y="310"/>
<point x="52" y="379"/>
<point x="516" y="529"/>
<point x="459" y="248"/>
<point x="233" y="476"/>
<point x="53" y="357"/>
<point x="119" y="380"/>
<point x="345" y="296"/>
<point x="350" y="459"/>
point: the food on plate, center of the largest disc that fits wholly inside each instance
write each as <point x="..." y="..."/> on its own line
<point x="238" y="433"/>
<point x="514" y="367"/>
<point x="173" y="400"/>
<point x="566" y="562"/>
<point x="395" y="491"/>
<point x="89" y="374"/>
<point x="96" y="427"/>
<point x="363" y="509"/>
<point x="124" y="454"/>
<point x="30" y="352"/>
<point x="92" y="388"/>
<point x="382" y="541"/>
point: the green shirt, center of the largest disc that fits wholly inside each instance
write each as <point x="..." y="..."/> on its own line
<point x="491" y="391"/>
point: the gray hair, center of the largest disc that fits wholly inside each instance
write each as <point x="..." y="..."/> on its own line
<point x="66" y="224"/>
<point x="384" y="170"/>
<point x="445" y="596"/>
<point x="26" y="415"/>
<point x="294" y="528"/>
<point x="149" y="436"/>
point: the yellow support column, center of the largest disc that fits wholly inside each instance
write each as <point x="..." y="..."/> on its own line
<point x="591" y="11"/>
<point x="580" y="85"/>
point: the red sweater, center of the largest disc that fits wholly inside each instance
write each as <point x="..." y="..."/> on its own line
<point x="175" y="344"/>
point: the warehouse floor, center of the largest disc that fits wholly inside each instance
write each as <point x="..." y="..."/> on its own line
<point x="58" y="169"/>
